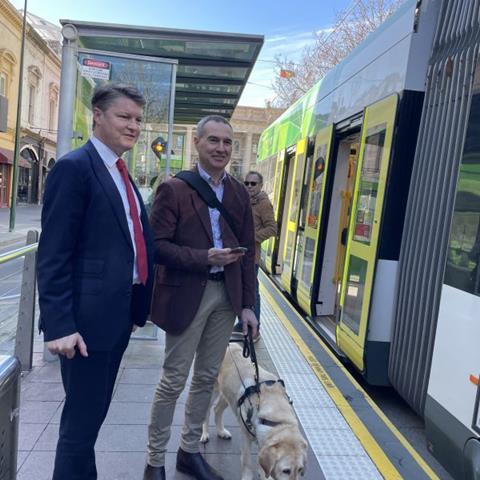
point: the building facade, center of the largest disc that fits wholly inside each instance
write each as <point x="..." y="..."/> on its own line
<point x="41" y="85"/>
<point x="248" y="123"/>
<point x="10" y="41"/>
<point x="39" y="109"/>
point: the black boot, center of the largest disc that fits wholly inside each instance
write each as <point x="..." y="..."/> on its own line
<point x="154" y="473"/>
<point x="195" y="465"/>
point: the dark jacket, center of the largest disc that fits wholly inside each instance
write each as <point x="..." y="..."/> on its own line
<point x="85" y="255"/>
<point x="182" y="236"/>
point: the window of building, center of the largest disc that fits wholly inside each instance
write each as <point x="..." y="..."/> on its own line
<point x="3" y="85"/>
<point x="34" y="77"/>
<point x="53" y="105"/>
<point x="7" y="66"/>
<point x="51" y="114"/>
<point x="236" y="146"/>
<point x="31" y="103"/>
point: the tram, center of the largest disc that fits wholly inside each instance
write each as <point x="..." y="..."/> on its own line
<point x="374" y="175"/>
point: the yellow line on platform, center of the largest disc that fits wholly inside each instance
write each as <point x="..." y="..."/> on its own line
<point x="375" y="452"/>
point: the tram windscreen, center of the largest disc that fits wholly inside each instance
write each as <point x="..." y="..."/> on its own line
<point x="463" y="256"/>
<point x="368" y="186"/>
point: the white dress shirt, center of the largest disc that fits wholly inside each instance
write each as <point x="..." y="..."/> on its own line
<point x="110" y="159"/>
<point x="218" y="188"/>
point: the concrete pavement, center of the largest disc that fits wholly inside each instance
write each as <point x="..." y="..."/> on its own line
<point x="27" y="218"/>
<point x="121" y="445"/>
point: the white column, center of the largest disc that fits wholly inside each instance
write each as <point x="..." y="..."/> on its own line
<point x="188" y="148"/>
<point x="248" y="154"/>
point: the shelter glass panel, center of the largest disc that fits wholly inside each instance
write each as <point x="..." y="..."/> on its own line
<point x="173" y="47"/>
<point x="207" y="72"/>
<point x="153" y="79"/>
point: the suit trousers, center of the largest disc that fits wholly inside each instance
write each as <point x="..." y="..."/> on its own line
<point x="88" y="383"/>
<point x="206" y="338"/>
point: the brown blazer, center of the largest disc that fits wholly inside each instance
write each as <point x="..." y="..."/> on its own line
<point x="182" y="235"/>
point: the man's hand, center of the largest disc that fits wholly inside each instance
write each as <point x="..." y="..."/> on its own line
<point x="249" y="319"/>
<point x="66" y="346"/>
<point x="222" y="256"/>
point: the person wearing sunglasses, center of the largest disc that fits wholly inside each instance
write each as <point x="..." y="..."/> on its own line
<point x="265" y="228"/>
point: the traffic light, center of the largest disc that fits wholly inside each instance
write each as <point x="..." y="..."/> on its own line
<point x="159" y="146"/>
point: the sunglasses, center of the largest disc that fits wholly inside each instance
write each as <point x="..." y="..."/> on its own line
<point x="250" y="184"/>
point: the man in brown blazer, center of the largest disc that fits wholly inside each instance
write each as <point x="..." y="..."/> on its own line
<point x="201" y="285"/>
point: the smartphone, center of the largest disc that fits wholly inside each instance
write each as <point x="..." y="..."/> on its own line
<point x="239" y="250"/>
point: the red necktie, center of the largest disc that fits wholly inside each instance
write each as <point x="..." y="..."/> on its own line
<point x="137" y="228"/>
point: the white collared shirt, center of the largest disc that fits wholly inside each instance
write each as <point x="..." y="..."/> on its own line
<point x="110" y="159"/>
<point x="218" y="188"/>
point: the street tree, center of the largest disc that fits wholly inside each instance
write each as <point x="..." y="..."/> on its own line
<point x="329" y="47"/>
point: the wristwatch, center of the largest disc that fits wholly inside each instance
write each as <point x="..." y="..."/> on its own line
<point x="249" y="307"/>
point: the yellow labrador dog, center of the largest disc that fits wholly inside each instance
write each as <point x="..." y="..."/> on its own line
<point x="266" y="418"/>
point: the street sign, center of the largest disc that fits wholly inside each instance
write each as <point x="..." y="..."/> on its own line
<point x="95" y="69"/>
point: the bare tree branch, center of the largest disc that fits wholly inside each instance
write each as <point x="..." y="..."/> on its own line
<point x="330" y="47"/>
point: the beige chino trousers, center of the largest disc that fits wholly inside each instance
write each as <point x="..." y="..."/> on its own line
<point x="206" y="339"/>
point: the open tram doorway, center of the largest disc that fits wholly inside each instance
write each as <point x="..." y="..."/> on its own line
<point x="331" y="268"/>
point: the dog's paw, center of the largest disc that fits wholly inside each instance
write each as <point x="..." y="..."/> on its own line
<point x="205" y="437"/>
<point x="225" y="434"/>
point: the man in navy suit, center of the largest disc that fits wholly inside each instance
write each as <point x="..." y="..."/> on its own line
<point x="94" y="271"/>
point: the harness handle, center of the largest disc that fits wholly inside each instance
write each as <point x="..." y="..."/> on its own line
<point x="249" y="351"/>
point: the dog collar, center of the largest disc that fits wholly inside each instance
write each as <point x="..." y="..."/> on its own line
<point x="256" y="389"/>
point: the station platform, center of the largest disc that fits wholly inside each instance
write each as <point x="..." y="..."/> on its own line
<point x="348" y="435"/>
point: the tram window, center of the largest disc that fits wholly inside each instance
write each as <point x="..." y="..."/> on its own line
<point x="267" y="169"/>
<point x="308" y="261"/>
<point x="304" y="199"/>
<point x="463" y="256"/>
<point x="297" y="186"/>
<point x="318" y="178"/>
<point x="368" y="188"/>
<point x="352" y="309"/>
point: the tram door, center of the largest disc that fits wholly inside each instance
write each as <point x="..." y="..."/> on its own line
<point x="333" y="239"/>
<point x="271" y="252"/>
<point x="290" y="223"/>
<point x="316" y="175"/>
<point x="345" y="214"/>
<point x="361" y="252"/>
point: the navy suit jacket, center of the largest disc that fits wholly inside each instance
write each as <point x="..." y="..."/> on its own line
<point x="85" y="255"/>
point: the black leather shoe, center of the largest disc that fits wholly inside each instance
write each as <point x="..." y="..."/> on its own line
<point x="195" y="465"/>
<point x="154" y="473"/>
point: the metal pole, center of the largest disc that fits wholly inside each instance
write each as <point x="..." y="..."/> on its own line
<point x="13" y="195"/>
<point x="68" y="82"/>
<point x="26" y="309"/>
<point x="171" y="110"/>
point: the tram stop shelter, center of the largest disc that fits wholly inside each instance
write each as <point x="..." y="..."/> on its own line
<point x="183" y="74"/>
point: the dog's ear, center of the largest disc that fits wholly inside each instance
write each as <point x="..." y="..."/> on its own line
<point x="304" y="467"/>
<point x="304" y="446"/>
<point x="267" y="457"/>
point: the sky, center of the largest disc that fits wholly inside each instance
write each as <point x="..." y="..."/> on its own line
<point x="288" y="25"/>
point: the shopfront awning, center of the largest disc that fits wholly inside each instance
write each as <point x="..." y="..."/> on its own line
<point x="213" y="68"/>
